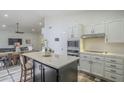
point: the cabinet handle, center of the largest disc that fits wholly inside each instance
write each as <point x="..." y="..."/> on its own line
<point x="97" y="58"/>
<point x="85" y="56"/>
<point x="90" y="62"/>
<point x="43" y="74"/>
<point x="113" y="60"/>
<point x="92" y="31"/>
<point x="113" y="77"/>
<point x="113" y="65"/>
<point x="113" y="71"/>
<point x="106" y="39"/>
<point x="40" y="68"/>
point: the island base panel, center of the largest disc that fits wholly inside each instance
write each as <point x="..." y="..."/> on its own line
<point x="44" y="73"/>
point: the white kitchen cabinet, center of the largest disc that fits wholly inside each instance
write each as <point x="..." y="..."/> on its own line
<point x="92" y="64"/>
<point x="99" y="28"/>
<point x="115" y="31"/>
<point x="110" y="68"/>
<point x="114" y="69"/>
<point x="88" y="29"/>
<point x="75" y="31"/>
<point x="114" y="77"/>
<point x="85" y="65"/>
<point x="97" y="67"/>
<point x="94" y="29"/>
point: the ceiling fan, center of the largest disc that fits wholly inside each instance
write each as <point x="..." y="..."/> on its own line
<point x="17" y="30"/>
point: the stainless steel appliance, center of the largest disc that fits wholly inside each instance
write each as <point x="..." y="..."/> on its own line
<point x="73" y="47"/>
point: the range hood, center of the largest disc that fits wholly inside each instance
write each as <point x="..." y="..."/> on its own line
<point x="93" y="35"/>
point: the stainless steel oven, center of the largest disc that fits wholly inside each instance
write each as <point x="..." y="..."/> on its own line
<point x="73" y="43"/>
<point x="73" y="47"/>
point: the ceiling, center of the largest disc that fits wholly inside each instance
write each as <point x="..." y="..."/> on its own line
<point x="28" y="19"/>
<point x="33" y="19"/>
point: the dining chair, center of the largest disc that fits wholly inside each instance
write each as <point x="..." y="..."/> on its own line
<point x="1" y="63"/>
<point x="10" y="59"/>
<point x="26" y="69"/>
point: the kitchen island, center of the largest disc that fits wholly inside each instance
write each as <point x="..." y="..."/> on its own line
<point x="55" y="68"/>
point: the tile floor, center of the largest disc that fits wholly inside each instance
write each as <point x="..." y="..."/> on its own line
<point x="11" y="74"/>
<point x="85" y="78"/>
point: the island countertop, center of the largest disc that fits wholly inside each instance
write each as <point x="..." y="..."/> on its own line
<point x="55" y="61"/>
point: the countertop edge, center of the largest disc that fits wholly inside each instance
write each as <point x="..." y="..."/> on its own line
<point x="115" y="55"/>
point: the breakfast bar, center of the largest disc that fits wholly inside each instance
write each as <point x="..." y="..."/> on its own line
<point x="53" y="68"/>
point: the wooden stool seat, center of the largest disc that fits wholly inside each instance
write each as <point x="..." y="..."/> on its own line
<point x="28" y="66"/>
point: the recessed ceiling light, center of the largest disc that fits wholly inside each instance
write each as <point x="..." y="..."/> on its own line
<point x="5" y="15"/>
<point x="64" y="32"/>
<point x="41" y="23"/>
<point x="3" y="25"/>
<point x="33" y="29"/>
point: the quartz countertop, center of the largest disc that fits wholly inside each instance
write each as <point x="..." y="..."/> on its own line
<point x="55" y="61"/>
<point x="105" y="54"/>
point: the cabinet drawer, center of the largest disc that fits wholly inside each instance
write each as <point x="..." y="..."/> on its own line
<point x="113" y="77"/>
<point x="116" y="71"/>
<point x="84" y="57"/>
<point x="114" y="60"/>
<point x="116" y="66"/>
<point x="98" y="58"/>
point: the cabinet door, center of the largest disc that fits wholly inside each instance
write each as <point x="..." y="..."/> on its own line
<point x="85" y="65"/>
<point x="115" y="32"/>
<point x="49" y="74"/>
<point x="88" y="29"/>
<point x="77" y="30"/>
<point x="99" y="28"/>
<point x="97" y="68"/>
<point x="37" y="72"/>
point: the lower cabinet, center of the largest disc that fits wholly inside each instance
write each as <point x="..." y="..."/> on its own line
<point x="92" y="64"/>
<point x="97" y="68"/>
<point x="114" y="69"/>
<point x="37" y="72"/>
<point x="85" y="65"/>
<point x="44" y="73"/>
<point x="113" y="76"/>
<point x="107" y="67"/>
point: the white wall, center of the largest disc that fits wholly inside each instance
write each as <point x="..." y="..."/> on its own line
<point x="4" y="35"/>
<point x="56" y="25"/>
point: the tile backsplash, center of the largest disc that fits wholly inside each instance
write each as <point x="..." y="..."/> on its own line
<point x="98" y="44"/>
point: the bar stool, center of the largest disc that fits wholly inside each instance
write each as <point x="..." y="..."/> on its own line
<point x="15" y="58"/>
<point x="26" y="69"/>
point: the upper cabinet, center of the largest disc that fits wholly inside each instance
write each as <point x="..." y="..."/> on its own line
<point x="75" y="31"/>
<point x="94" y="29"/>
<point x="115" y="31"/>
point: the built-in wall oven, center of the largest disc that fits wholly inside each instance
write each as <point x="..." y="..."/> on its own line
<point x="73" y="47"/>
